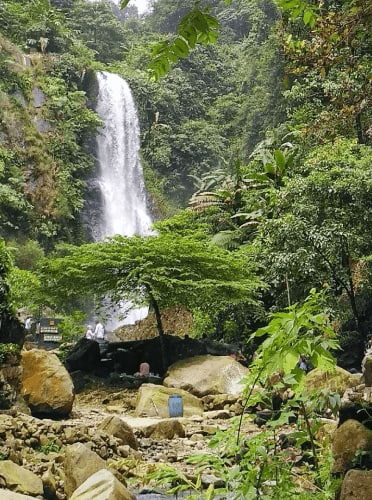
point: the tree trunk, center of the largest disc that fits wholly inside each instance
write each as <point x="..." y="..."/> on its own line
<point x="359" y="129"/>
<point x="159" y="325"/>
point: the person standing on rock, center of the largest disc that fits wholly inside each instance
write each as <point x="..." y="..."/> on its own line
<point x="28" y="323"/>
<point x="89" y="333"/>
<point x="99" y="332"/>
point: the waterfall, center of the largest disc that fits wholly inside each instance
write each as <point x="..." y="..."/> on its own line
<point x="120" y="177"/>
<point x="118" y="185"/>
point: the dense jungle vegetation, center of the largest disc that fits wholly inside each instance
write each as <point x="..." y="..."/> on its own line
<point x="256" y="143"/>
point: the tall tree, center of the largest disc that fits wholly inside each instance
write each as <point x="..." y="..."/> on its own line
<point x="320" y="225"/>
<point x="329" y="68"/>
<point x="161" y="271"/>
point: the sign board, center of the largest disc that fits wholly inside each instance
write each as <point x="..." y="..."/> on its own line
<point x="52" y="338"/>
<point x="49" y="330"/>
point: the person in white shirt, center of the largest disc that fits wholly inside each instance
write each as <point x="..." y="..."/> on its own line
<point x="99" y="332"/>
<point x="89" y="333"/>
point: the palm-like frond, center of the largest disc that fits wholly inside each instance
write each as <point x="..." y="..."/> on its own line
<point x="202" y="201"/>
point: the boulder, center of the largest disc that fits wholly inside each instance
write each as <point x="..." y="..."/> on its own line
<point x="46" y="385"/>
<point x="204" y="375"/>
<point x="10" y="495"/>
<point x="80" y="463"/>
<point x="152" y="401"/>
<point x="348" y="441"/>
<point x="85" y="356"/>
<point x="367" y="369"/>
<point x="20" y="480"/>
<point x="10" y="382"/>
<point x="220" y="401"/>
<point x="115" y="426"/>
<point x="165" y="429"/>
<point x="49" y="484"/>
<point x="357" y="485"/>
<point x="125" y="357"/>
<point x="338" y="380"/>
<point x="102" y="485"/>
<point x="355" y="411"/>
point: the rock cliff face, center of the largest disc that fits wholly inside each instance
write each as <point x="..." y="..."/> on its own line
<point x="176" y="321"/>
<point x="45" y="132"/>
<point x="126" y="357"/>
<point x="10" y="382"/>
<point x="11" y="331"/>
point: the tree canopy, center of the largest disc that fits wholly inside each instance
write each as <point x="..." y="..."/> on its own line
<point x="160" y="270"/>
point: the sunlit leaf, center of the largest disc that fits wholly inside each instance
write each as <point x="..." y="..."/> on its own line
<point x="124" y="3"/>
<point x="180" y="48"/>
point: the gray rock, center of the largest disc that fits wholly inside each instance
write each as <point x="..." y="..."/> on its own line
<point x="165" y="429"/>
<point x="10" y="495"/>
<point x="38" y="97"/>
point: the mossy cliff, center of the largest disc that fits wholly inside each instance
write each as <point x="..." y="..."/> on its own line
<point x="45" y="129"/>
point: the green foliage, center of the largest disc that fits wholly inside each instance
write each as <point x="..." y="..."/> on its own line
<point x="251" y="466"/>
<point x="329" y="66"/>
<point x="6" y="350"/>
<point x="13" y="203"/>
<point x="167" y="475"/>
<point x="6" y="265"/>
<point x="25" y="290"/>
<point x="72" y="326"/>
<point x="161" y="270"/>
<point x="253" y="469"/>
<point x="26" y="22"/>
<point x="300" y="8"/>
<point x="50" y="447"/>
<point x="26" y="254"/>
<point x="41" y="171"/>
<point x="319" y="225"/>
<point x="202" y="324"/>
<point x="197" y="26"/>
<point x="99" y="29"/>
<point x="300" y="329"/>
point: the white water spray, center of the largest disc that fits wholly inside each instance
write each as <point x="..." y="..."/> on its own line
<point x="120" y="176"/>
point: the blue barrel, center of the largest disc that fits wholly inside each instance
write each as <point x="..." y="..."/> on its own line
<point x="175" y="405"/>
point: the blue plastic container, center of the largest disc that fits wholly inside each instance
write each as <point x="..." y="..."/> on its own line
<point x="175" y="405"/>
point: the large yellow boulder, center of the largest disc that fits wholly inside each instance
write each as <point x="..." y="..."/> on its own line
<point x="46" y="384"/>
<point x="337" y="380"/>
<point x="350" y="439"/>
<point x="357" y="485"/>
<point x="152" y="401"/>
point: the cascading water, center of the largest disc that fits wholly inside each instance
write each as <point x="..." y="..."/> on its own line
<point x="118" y="184"/>
<point x="120" y="176"/>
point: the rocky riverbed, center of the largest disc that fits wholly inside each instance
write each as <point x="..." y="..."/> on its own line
<point x="59" y="438"/>
<point x="168" y="443"/>
<point x="39" y="445"/>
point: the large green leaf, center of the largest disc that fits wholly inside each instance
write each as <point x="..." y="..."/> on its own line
<point x="180" y="48"/>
